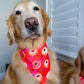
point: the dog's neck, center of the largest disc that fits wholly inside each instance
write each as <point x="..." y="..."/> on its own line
<point x="32" y="43"/>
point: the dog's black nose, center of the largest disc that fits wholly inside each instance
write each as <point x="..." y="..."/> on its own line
<point x="31" y="23"/>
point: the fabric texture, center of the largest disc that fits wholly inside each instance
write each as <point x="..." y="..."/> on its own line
<point x="81" y="78"/>
<point x="37" y="62"/>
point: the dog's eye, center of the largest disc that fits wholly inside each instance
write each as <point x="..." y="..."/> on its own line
<point x="36" y="8"/>
<point x="18" y="12"/>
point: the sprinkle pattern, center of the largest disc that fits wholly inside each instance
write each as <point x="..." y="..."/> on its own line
<point x="37" y="62"/>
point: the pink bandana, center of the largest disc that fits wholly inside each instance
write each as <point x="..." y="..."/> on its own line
<point x="37" y="62"/>
<point x="81" y="78"/>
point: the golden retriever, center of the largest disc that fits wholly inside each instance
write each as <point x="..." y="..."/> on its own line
<point x="28" y="26"/>
<point x="72" y="74"/>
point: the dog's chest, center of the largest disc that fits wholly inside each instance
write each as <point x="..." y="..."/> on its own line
<point x="27" y="78"/>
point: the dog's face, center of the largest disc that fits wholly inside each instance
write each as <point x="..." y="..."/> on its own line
<point x="27" y="20"/>
<point x="79" y="62"/>
<point x="28" y="17"/>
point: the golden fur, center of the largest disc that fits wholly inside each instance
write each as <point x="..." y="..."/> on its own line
<point x="72" y="74"/>
<point x="17" y="73"/>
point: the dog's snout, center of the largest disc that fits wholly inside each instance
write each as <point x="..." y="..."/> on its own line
<point x="31" y="23"/>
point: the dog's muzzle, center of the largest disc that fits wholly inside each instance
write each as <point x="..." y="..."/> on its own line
<point x="31" y="23"/>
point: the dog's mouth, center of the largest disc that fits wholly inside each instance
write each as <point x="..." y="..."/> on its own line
<point x="33" y="36"/>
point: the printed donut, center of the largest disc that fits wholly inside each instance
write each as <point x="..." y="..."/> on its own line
<point x="38" y="76"/>
<point x="36" y="64"/>
<point x="44" y="51"/>
<point x="46" y="63"/>
<point x="33" y="52"/>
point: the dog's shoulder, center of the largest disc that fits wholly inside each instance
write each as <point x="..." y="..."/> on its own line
<point x="10" y="75"/>
<point x="16" y="61"/>
<point x="54" y="73"/>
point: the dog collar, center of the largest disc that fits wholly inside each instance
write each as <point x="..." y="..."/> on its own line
<point x="81" y="78"/>
<point x="37" y="62"/>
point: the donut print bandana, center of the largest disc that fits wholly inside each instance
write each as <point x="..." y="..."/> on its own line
<point x="37" y="62"/>
<point x="81" y="78"/>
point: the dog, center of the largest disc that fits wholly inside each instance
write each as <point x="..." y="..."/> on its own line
<point x="28" y="26"/>
<point x="75" y="74"/>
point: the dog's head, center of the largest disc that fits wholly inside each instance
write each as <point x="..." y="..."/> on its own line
<point x="27" y="21"/>
<point x="79" y="62"/>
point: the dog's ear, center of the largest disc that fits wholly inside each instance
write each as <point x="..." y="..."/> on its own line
<point x="81" y="59"/>
<point x="76" y="63"/>
<point x="10" y="24"/>
<point x="46" y="22"/>
<point x="79" y="62"/>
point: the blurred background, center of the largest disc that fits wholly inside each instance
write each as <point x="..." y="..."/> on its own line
<point x="67" y="23"/>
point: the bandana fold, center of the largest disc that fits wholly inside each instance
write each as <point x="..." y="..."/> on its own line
<point x="37" y="62"/>
<point x="81" y="78"/>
